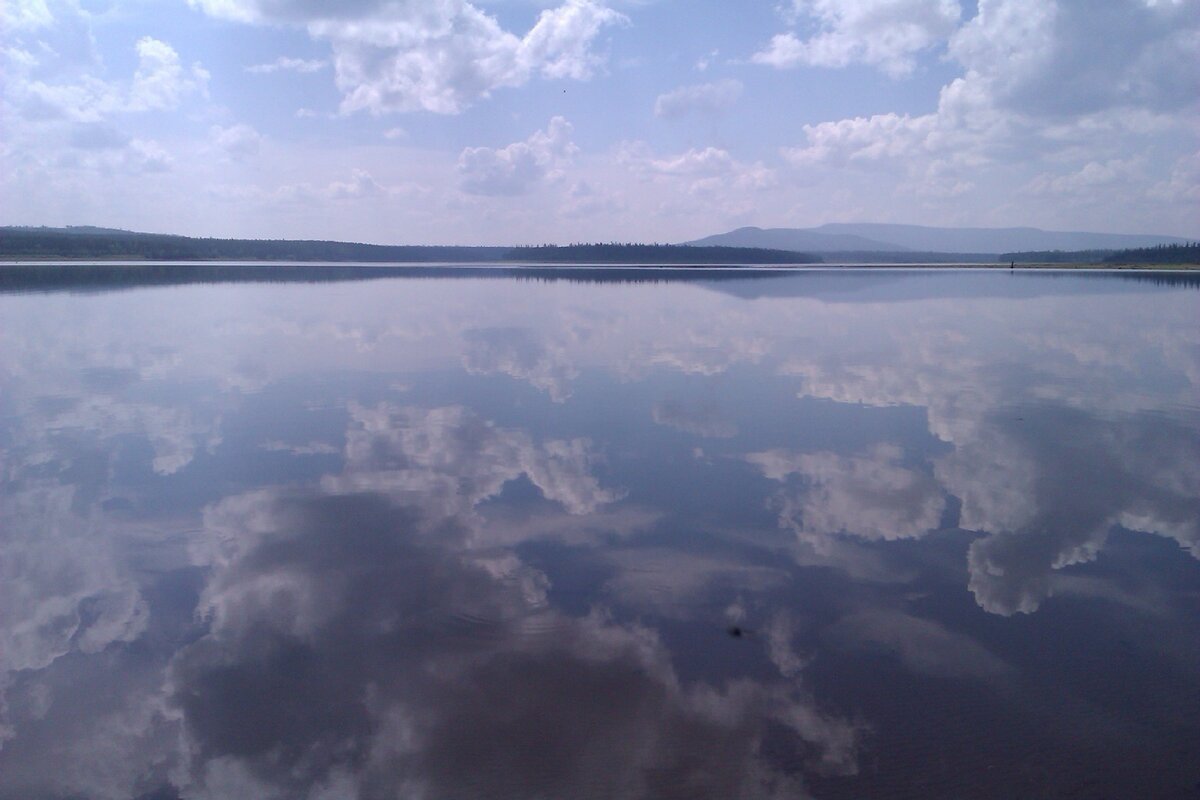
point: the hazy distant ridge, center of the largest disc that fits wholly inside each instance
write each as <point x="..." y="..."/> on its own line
<point x="878" y="237"/>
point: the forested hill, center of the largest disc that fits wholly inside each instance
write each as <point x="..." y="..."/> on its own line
<point x="655" y="254"/>
<point x="104" y="244"/>
<point x="100" y="243"/>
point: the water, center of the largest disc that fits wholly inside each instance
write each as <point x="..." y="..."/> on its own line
<point x="821" y="534"/>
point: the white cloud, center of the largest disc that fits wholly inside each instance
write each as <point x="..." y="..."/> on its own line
<point x="517" y="168"/>
<point x="88" y="100"/>
<point x="862" y="139"/>
<point x="239" y="141"/>
<point x="160" y="81"/>
<point x="1053" y="99"/>
<point x="703" y="98"/>
<point x="288" y="64"/>
<point x="711" y="175"/>
<point x="360" y="185"/>
<point x="438" y="56"/>
<point x="26" y="14"/>
<point x="883" y="33"/>
<point x="1092" y="176"/>
<point x="148" y="156"/>
<point x="1183" y="183"/>
<point x="708" y="161"/>
<point x="1072" y="57"/>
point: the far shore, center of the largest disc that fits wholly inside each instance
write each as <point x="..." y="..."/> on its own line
<point x="134" y="262"/>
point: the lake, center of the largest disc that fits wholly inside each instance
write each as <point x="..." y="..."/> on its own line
<point x="630" y="533"/>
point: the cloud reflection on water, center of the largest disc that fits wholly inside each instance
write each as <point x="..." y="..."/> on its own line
<point x="518" y="580"/>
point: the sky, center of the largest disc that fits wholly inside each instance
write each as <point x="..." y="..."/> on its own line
<point x="525" y="122"/>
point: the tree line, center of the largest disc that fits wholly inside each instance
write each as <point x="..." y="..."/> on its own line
<point x="657" y="254"/>
<point x="49" y="243"/>
<point x="1188" y="253"/>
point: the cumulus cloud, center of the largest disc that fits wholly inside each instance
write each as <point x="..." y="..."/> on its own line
<point x="703" y="98"/>
<point x="288" y="64"/>
<point x="144" y="156"/>
<point x="520" y="166"/>
<point x="160" y="81"/>
<point x="1047" y="59"/>
<point x="26" y="14"/>
<point x="707" y="173"/>
<point x="707" y="161"/>
<point x="359" y="185"/>
<point x="1059" y="85"/>
<point x="863" y="139"/>
<point x="438" y="56"/>
<point x="1093" y="176"/>
<point x="882" y="33"/>
<point x="239" y="141"/>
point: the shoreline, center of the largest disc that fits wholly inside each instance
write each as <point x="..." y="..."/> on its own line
<point x="7" y="262"/>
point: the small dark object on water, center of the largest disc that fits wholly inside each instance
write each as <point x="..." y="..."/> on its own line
<point x="737" y="631"/>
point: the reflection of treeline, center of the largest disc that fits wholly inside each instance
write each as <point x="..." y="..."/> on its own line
<point x="100" y="277"/>
<point x="50" y="243"/>
<point x="912" y="257"/>
<point x="1056" y="256"/>
<point x="1188" y="253"/>
<point x="656" y="254"/>
<point x="1174" y="278"/>
<point x="104" y="277"/>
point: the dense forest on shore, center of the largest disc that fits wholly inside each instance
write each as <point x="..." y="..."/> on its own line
<point x="1055" y="257"/>
<point x="104" y="244"/>
<point x="1162" y="254"/>
<point x="100" y="243"/>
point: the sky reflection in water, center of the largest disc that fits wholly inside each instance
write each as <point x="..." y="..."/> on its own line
<point x="833" y="535"/>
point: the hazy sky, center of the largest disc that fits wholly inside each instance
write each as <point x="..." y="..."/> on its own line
<point x="516" y="121"/>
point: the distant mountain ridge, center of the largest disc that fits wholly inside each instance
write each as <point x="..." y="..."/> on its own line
<point x="882" y="237"/>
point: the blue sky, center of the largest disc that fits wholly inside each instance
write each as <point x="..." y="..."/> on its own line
<point x="513" y="121"/>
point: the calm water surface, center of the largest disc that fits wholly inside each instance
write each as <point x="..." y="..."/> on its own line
<point x="821" y="534"/>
